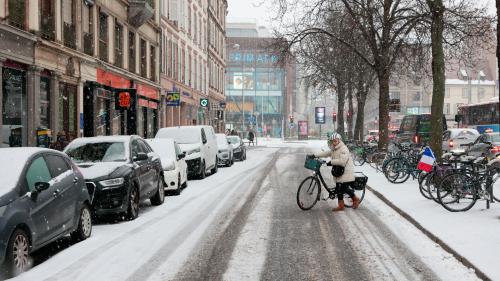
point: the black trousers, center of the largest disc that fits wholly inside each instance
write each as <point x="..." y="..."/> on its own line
<point x="344" y="188"/>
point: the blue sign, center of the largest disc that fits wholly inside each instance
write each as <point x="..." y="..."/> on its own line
<point x="173" y="99"/>
<point x="252" y="119"/>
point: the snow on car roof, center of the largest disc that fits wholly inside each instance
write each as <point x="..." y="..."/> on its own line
<point x="12" y="162"/>
<point x="100" y="139"/>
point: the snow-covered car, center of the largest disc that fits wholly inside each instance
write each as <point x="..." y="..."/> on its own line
<point x="225" y="150"/>
<point x="173" y="163"/>
<point x="200" y="146"/>
<point x="42" y="198"/>
<point x="121" y="171"/>
<point x="453" y="139"/>
<point x="239" y="148"/>
<point x="487" y="145"/>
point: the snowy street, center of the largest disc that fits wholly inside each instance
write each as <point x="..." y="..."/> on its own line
<point x="243" y="223"/>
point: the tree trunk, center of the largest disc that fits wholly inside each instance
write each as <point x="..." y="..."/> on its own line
<point x="350" y="111"/>
<point x="383" y="75"/>
<point x="360" y="116"/>
<point x="340" y="109"/>
<point x="438" y="76"/>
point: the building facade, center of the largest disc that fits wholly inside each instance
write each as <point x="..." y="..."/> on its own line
<point x="188" y="56"/>
<point x="84" y="68"/>
<point x="259" y="89"/>
<point x="97" y="67"/>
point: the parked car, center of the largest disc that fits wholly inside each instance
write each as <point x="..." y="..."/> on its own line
<point x="487" y="144"/>
<point x="239" y="148"/>
<point x="122" y="171"/>
<point x="454" y="138"/>
<point x="173" y="163"/>
<point x="225" y="150"/>
<point x="417" y="128"/>
<point x="200" y="146"/>
<point x="372" y="136"/>
<point x="43" y="197"/>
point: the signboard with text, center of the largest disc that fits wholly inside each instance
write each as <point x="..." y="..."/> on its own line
<point x="319" y="114"/>
<point x="173" y="98"/>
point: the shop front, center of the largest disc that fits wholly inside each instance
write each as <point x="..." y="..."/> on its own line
<point x="148" y="110"/>
<point x="14" y="105"/>
<point x="109" y="106"/>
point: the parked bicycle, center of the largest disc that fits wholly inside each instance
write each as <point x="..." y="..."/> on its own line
<point x="309" y="191"/>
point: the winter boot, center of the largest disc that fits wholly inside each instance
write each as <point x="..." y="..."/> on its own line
<point x="340" y="207"/>
<point x="355" y="202"/>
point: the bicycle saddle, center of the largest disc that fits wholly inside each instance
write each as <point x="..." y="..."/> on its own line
<point x="458" y="153"/>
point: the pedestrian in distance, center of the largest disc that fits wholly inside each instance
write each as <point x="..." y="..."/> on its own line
<point x="251" y="137"/>
<point x="340" y="156"/>
<point x="61" y="141"/>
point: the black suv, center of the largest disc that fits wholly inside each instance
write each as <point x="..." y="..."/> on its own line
<point x="120" y="172"/>
<point x="42" y="198"/>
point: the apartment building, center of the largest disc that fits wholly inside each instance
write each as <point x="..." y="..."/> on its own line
<point x="193" y="65"/>
<point x="84" y="68"/>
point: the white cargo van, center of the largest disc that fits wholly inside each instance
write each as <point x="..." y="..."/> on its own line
<point x="199" y="144"/>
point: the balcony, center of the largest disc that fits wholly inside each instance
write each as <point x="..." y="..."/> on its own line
<point x="69" y="35"/>
<point x="140" y="11"/>
<point x="47" y="30"/>
<point x="88" y="44"/>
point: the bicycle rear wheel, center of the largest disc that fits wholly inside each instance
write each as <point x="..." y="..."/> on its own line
<point x="308" y="193"/>
<point x="457" y="192"/>
<point x="358" y="157"/>
<point x="423" y="180"/>
<point x="494" y="173"/>
<point x="397" y="170"/>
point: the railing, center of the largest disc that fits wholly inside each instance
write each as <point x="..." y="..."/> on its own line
<point x="47" y="28"/>
<point x="88" y="43"/>
<point x="69" y="35"/>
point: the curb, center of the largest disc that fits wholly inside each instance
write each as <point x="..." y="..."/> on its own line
<point x="480" y="274"/>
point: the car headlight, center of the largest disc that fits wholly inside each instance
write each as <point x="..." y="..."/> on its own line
<point x="112" y="182"/>
<point x="238" y="149"/>
<point x="223" y="151"/>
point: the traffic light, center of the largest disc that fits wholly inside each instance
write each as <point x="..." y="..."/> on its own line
<point x="334" y="117"/>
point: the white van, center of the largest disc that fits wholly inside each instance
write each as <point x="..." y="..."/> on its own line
<point x="199" y="144"/>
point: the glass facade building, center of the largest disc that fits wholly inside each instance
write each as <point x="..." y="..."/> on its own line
<point x="255" y="89"/>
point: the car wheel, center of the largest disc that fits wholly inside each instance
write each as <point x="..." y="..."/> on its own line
<point x="18" y="252"/>
<point x="84" y="229"/>
<point x="216" y="168"/>
<point x="133" y="204"/>
<point x="159" y="196"/>
<point x="203" y="170"/>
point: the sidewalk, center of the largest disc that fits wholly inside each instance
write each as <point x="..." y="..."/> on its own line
<point x="474" y="234"/>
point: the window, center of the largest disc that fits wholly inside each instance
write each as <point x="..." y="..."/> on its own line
<point x="37" y="172"/>
<point x="143" y="65"/>
<point x="103" y="36"/>
<point x="395" y="95"/>
<point x="57" y="165"/>
<point x="447" y="93"/>
<point x="152" y="62"/>
<point x="47" y="26"/>
<point x="465" y="93"/>
<point x="69" y="27"/>
<point x="45" y="102"/>
<point x="481" y="93"/>
<point x="447" y="108"/>
<point x="131" y="52"/>
<point x="417" y="96"/>
<point x="88" y="30"/>
<point x="17" y="13"/>
<point x="118" y="44"/>
<point x="169" y="58"/>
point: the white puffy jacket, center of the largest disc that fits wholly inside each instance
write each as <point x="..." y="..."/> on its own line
<point x="341" y="156"/>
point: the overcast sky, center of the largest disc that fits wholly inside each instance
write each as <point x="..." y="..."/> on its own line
<point x="262" y="11"/>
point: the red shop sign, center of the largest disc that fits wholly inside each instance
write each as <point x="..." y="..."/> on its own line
<point x="124" y="99"/>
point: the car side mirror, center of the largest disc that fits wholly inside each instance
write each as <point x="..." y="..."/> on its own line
<point x="41" y="186"/>
<point x="141" y="156"/>
<point x="182" y="155"/>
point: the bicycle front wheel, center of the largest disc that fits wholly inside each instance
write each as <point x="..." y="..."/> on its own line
<point x="308" y="193"/>
<point x="457" y="192"/>
<point x="494" y="175"/>
<point x="397" y="170"/>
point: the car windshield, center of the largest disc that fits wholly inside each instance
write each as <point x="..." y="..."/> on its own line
<point x="495" y="137"/>
<point x="221" y="139"/>
<point x="233" y="140"/>
<point x="466" y="135"/>
<point x="163" y="149"/>
<point x="97" y="152"/>
<point x="181" y="135"/>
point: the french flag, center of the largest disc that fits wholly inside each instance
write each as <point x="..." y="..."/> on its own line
<point x="427" y="160"/>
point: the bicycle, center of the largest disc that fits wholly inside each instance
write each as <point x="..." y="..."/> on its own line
<point x="309" y="192"/>
<point x="460" y="190"/>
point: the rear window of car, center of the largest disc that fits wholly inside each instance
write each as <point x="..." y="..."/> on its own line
<point x="493" y="137"/>
<point x="466" y="135"/>
<point x="424" y="125"/>
<point x="408" y="124"/>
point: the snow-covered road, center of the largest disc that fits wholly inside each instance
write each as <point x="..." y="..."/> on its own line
<point x="243" y="224"/>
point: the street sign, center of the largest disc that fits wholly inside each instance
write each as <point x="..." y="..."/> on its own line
<point x="173" y="99"/>
<point x="204" y="102"/>
<point x="320" y="115"/>
<point x="252" y="120"/>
